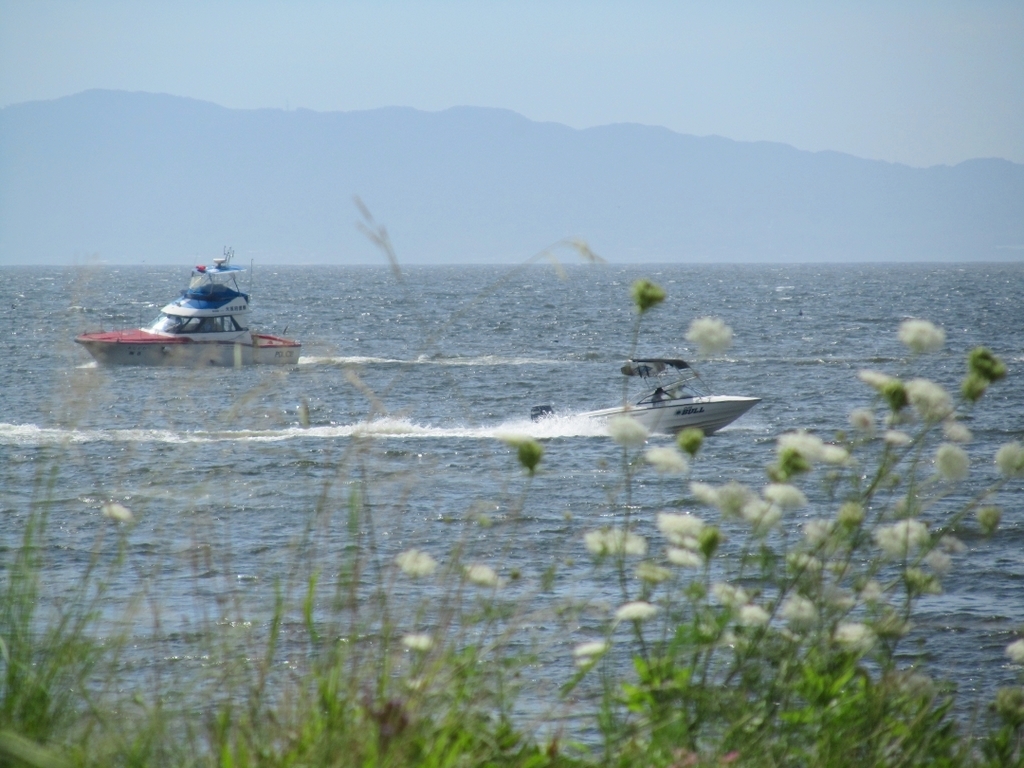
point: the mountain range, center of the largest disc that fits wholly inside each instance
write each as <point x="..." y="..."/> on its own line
<point x="125" y="177"/>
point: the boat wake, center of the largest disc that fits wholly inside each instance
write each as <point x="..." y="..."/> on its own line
<point x="31" y="435"/>
<point x="312" y="360"/>
<point x="482" y="360"/>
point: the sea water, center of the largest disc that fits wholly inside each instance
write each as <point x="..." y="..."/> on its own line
<point x="406" y="386"/>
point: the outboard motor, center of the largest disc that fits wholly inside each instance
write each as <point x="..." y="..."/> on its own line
<point x="538" y="412"/>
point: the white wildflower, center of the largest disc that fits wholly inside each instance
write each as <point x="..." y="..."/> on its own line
<point x="668" y="461"/>
<point x="706" y="631"/>
<point x="729" y="640"/>
<point x="956" y="432"/>
<point x="875" y="379"/>
<point x="651" y="573"/>
<point x="415" y="683"/>
<point x="596" y="542"/>
<point x="798" y="611"/>
<point x="850" y="515"/>
<point x="817" y="532"/>
<point x="839" y="598"/>
<point x="811" y="447"/>
<point x="854" y="636"/>
<point x="118" y="512"/>
<point x="891" y="624"/>
<point x="761" y="515"/>
<point x="785" y="496"/>
<point x="896" y="438"/>
<point x="952" y="462"/>
<point x="633" y="544"/>
<point x="863" y="420"/>
<point x="921" y="582"/>
<point x="638" y="610"/>
<point x="753" y="616"/>
<point x="688" y="542"/>
<point x="916" y="684"/>
<point x="871" y="592"/>
<point x="1010" y="460"/>
<point x="893" y="420"/>
<point x="807" y="445"/>
<point x="627" y="431"/>
<point x="898" y="539"/>
<point x="684" y="558"/>
<point x="732" y="497"/>
<point x="988" y="518"/>
<point x="801" y="561"/>
<point x="482" y="575"/>
<point x="930" y="400"/>
<point x="615" y="541"/>
<point x="587" y="653"/>
<point x="1015" y="651"/>
<point x="938" y="561"/>
<point x="591" y="648"/>
<point x="418" y="642"/>
<point x="415" y="563"/>
<point x="834" y="454"/>
<point x="728" y="595"/>
<point x="705" y="493"/>
<point x="710" y="335"/>
<point x="679" y="528"/>
<point x="921" y="336"/>
<point x="952" y="545"/>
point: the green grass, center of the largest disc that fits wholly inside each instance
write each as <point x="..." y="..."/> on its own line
<point x="783" y="649"/>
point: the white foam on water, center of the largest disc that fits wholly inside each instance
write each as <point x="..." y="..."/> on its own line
<point x="357" y="360"/>
<point x="483" y="360"/>
<point x="28" y="435"/>
<point x="34" y="435"/>
<point x="397" y="427"/>
<point x="553" y="426"/>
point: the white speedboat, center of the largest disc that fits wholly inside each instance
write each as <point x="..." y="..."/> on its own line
<point x="673" y="398"/>
<point x="207" y="325"/>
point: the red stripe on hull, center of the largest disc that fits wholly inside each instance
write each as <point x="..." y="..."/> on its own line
<point x="139" y="347"/>
<point x="135" y="336"/>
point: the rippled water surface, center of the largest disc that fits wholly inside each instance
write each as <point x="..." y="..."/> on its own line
<point x="409" y="386"/>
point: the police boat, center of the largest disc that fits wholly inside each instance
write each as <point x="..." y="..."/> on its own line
<point x="206" y="326"/>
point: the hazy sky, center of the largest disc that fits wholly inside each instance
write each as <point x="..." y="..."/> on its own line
<point x="921" y="82"/>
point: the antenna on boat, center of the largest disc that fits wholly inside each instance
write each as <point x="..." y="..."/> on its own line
<point x="226" y="258"/>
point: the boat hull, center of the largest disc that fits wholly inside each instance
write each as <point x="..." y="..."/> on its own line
<point x="708" y="414"/>
<point x="141" y="348"/>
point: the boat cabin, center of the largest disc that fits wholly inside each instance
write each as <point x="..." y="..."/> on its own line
<point x="212" y="303"/>
<point x="179" y="324"/>
<point x="214" y="288"/>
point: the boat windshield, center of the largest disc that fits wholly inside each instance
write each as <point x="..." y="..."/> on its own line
<point x="670" y="385"/>
<point x="214" y="283"/>
<point x="166" y="324"/>
<point x="176" y="324"/>
<point x="675" y="391"/>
